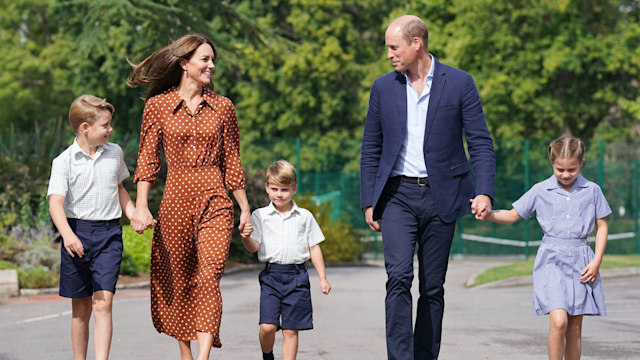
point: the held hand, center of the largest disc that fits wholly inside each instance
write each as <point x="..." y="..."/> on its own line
<point x="368" y="217"/>
<point x="590" y="272"/>
<point x="325" y="286"/>
<point x="74" y="245"/>
<point x="142" y="220"/>
<point x="245" y="225"/>
<point x="481" y="207"/>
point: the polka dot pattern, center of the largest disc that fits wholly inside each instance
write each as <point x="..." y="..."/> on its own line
<point x="195" y="221"/>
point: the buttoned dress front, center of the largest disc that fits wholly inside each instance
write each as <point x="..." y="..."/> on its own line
<point x="567" y="218"/>
<point x="195" y="219"/>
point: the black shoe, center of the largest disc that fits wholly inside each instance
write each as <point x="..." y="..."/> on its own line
<point x="268" y="356"/>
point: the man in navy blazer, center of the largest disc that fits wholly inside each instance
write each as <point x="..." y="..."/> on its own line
<point x="416" y="180"/>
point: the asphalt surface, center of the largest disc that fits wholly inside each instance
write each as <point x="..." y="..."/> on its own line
<point x="480" y="323"/>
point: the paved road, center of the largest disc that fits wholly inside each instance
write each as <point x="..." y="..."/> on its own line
<point x="349" y="323"/>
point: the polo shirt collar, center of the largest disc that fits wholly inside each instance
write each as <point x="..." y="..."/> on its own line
<point x="208" y="97"/>
<point x="552" y="183"/>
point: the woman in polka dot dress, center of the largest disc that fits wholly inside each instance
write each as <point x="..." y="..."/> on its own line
<point x="198" y="131"/>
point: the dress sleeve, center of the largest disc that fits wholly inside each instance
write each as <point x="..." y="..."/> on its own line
<point x="526" y="204"/>
<point x="230" y="164"/>
<point x="148" y="165"/>
<point x="602" y="206"/>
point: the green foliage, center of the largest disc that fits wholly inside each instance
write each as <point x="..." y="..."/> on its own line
<point x="38" y="277"/>
<point x="137" y="250"/>
<point x="6" y="265"/>
<point x="341" y="243"/>
<point x="128" y="266"/>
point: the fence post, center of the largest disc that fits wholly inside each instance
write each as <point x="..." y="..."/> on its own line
<point x="635" y="200"/>
<point x="527" y="171"/>
<point x="600" y="174"/>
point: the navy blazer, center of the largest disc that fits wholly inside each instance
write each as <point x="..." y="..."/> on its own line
<point x="454" y="110"/>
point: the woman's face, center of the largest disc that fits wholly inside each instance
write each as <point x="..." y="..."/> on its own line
<point x="200" y="67"/>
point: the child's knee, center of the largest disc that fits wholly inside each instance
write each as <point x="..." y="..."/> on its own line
<point x="287" y="333"/>
<point x="267" y="329"/>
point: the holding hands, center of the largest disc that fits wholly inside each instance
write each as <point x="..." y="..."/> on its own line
<point x="481" y="207"/>
<point x="142" y="219"/>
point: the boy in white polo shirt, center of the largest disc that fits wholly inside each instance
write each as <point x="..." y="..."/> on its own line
<point x="285" y="237"/>
<point x="86" y="198"/>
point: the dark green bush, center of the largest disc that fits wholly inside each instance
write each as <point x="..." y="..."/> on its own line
<point x="128" y="266"/>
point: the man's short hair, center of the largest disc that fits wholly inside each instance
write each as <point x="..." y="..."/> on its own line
<point x="281" y="172"/>
<point x="88" y="108"/>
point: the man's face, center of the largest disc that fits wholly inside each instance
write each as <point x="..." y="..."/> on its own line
<point x="401" y="53"/>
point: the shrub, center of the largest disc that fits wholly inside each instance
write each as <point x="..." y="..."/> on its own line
<point x="138" y="246"/>
<point x="38" y="277"/>
<point x="5" y="265"/>
<point x="341" y="243"/>
<point x="128" y="266"/>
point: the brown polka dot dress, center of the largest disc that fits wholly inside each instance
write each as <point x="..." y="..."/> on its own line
<point x="195" y="220"/>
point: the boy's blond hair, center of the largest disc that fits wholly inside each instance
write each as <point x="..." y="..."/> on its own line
<point x="88" y="108"/>
<point x="282" y="173"/>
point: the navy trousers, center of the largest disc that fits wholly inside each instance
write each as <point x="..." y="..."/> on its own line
<point x="409" y="219"/>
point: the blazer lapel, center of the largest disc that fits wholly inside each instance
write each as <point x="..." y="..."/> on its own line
<point x="400" y="91"/>
<point x="437" y="86"/>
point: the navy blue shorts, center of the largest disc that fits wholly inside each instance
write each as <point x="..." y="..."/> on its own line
<point x="99" y="267"/>
<point x="285" y="292"/>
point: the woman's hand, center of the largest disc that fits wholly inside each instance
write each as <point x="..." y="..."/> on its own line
<point x="245" y="225"/>
<point x="142" y="219"/>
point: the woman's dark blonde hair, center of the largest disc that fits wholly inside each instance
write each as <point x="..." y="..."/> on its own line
<point x="566" y="147"/>
<point x="162" y="70"/>
<point x="89" y="109"/>
<point x="281" y="173"/>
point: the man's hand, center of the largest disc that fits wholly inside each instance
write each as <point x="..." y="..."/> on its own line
<point x="368" y="217"/>
<point x="481" y="207"/>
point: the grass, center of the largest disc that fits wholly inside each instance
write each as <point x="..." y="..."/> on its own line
<point x="525" y="267"/>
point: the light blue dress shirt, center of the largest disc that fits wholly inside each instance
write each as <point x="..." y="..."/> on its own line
<point x="410" y="160"/>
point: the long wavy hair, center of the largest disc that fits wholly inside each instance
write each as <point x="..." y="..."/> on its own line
<point x="161" y="70"/>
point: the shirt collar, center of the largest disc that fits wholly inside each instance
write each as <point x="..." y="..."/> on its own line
<point x="552" y="182"/>
<point x="209" y="97"/>
<point x="76" y="149"/>
<point x="272" y="209"/>
<point x="429" y="74"/>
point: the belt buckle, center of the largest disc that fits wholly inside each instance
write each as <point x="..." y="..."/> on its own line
<point x="425" y="183"/>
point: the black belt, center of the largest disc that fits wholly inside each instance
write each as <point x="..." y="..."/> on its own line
<point x="422" y="181"/>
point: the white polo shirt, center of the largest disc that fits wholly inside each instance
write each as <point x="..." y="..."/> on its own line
<point x="89" y="185"/>
<point x="285" y="239"/>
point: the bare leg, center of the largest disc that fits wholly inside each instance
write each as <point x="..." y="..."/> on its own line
<point x="267" y="337"/>
<point x="574" y="338"/>
<point x="102" y="307"/>
<point x="558" y="320"/>
<point x="205" y="342"/>
<point x="80" y="316"/>
<point x="290" y="344"/>
<point x="185" y="350"/>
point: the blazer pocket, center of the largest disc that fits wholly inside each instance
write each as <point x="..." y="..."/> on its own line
<point x="460" y="169"/>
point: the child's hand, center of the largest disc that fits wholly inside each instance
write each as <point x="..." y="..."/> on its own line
<point x="325" y="286"/>
<point x="246" y="231"/>
<point x="73" y="245"/>
<point x="590" y="272"/>
<point x="480" y="210"/>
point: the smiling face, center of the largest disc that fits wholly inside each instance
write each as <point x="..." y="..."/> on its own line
<point x="200" y="66"/>
<point x="566" y="171"/>
<point x="280" y="195"/>
<point x="98" y="133"/>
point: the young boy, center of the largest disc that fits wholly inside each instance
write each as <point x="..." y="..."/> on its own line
<point x="285" y="236"/>
<point x="86" y="198"/>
